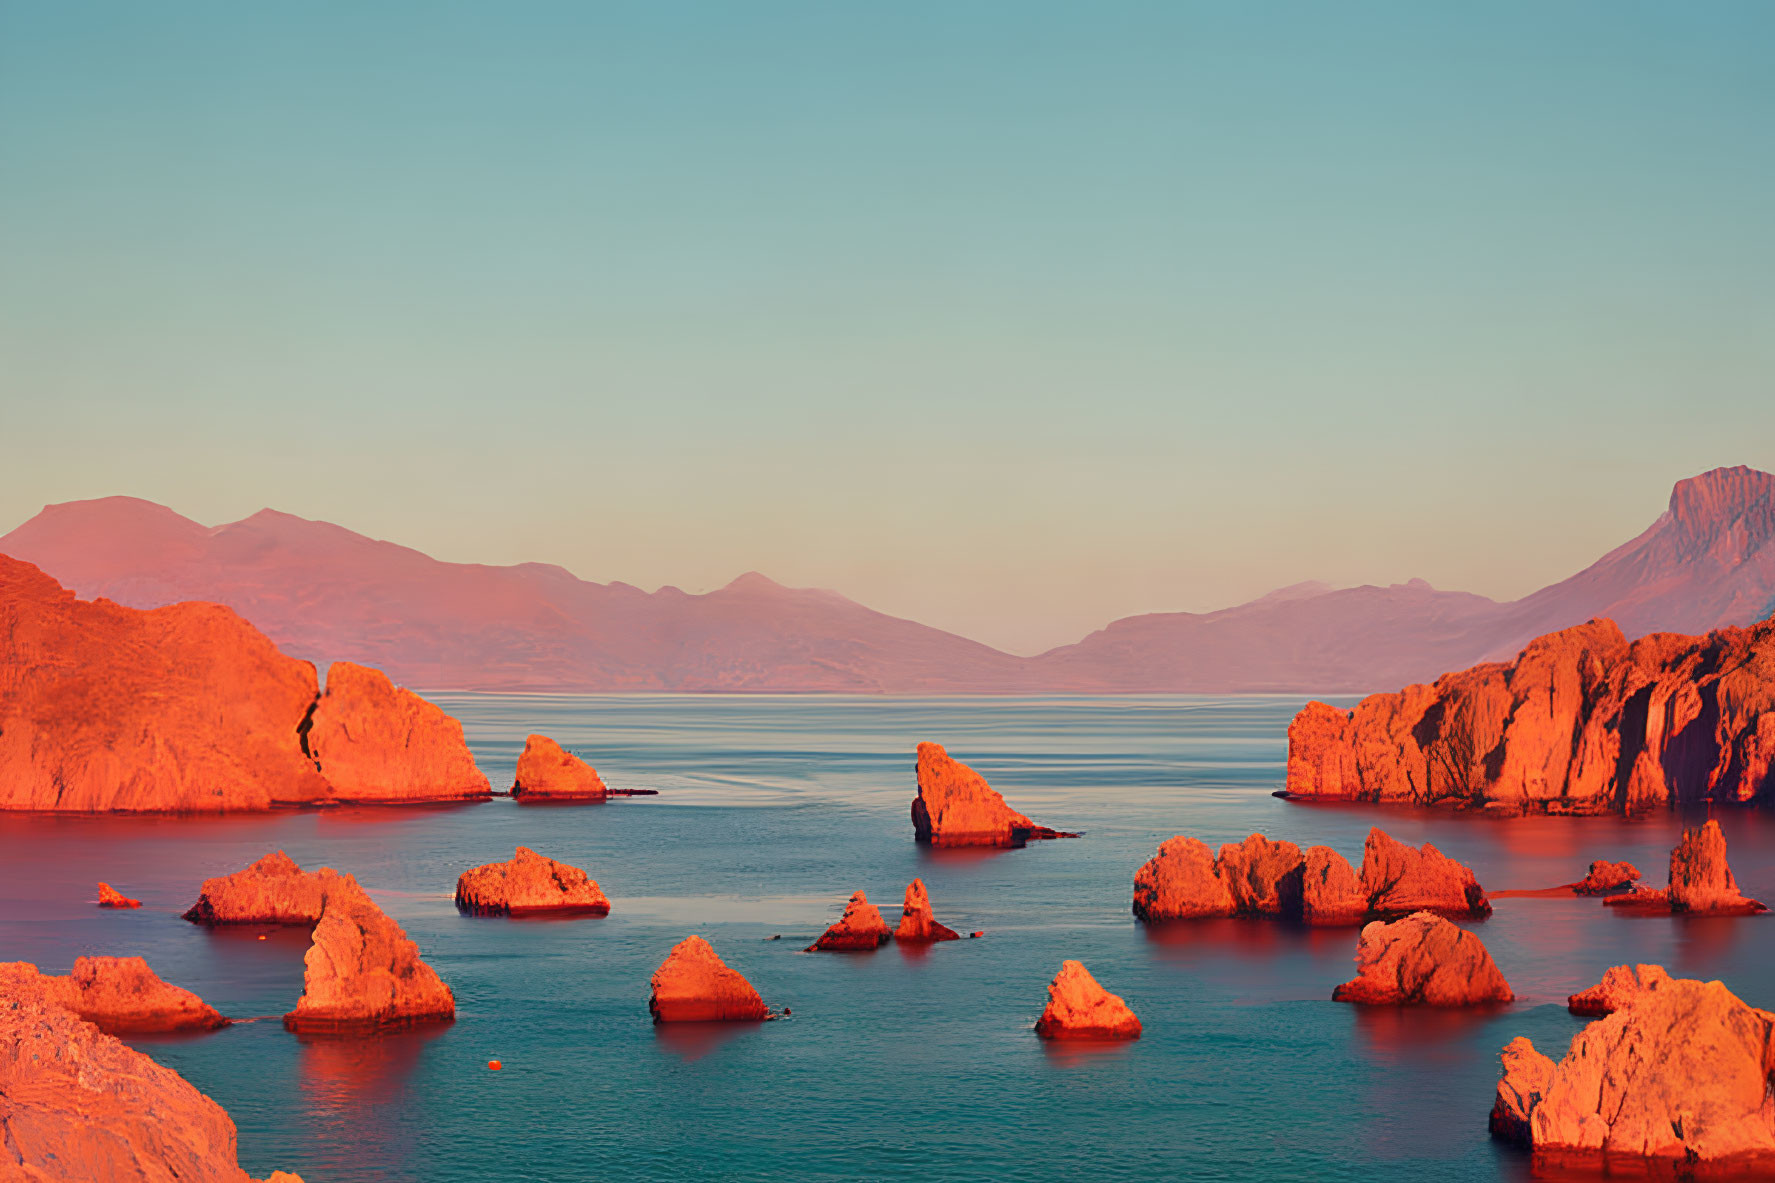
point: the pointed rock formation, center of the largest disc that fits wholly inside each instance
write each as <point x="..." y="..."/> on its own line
<point x="861" y="928"/>
<point x="378" y="742"/>
<point x="1079" y="1008"/>
<point x="79" y="1105"/>
<point x="110" y="897"/>
<point x="956" y="807"/>
<point x="1181" y="883"/>
<point x="693" y="985"/>
<point x="1331" y="895"/>
<point x="917" y="925"/>
<point x="529" y="885"/>
<point x="1401" y="879"/>
<point x="1680" y="1076"/>
<point x="1422" y="960"/>
<point x="1701" y="882"/>
<point x="1605" y="877"/>
<point x="363" y="972"/>
<point x="548" y="772"/>
<point x="1621" y="986"/>
<point x="1265" y="877"/>
<point x="273" y="890"/>
<point x="120" y="995"/>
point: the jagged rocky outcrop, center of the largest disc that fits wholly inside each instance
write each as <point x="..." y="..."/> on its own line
<point x="693" y="985"/>
<point x="529" y="885"/>
<point x="273" y="890"/>
<point x="860" y="928"/>
<point x="77" y="1104"/>
<point x="1079" y="1008"/>
<point x="548" y="772"/>
<point x="1605" y="877"/>
<point x="1258" y="877"/>
<point x="1621" y="986"/>
<point x="378" y="742"/>
<point x="1680" y="1075"/>
<point x="1701" y="881"/>
<point x="917" y="924"/>
<point x="363" y="972"/>
<point x="120" y="995"/>
<point x="956" y="807"/>
<point x="110" y="897"/>
<point x="1581" y="722"/>
<point x="1422" y="960"/>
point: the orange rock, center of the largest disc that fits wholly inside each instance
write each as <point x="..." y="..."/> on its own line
<point x="273" y="890"/>
<point x="363" y="972"/>
<point x="81" y="1105"/>
<point x="1581" y="722"/>
<point x="1681" y="1075"/>
<point x="1401" y="879"/>
<point x="1181" y="883"/>
<point x="1422" y="960"/>
<point x="117" y="994"/>
<point x="110" y="897"/>
<point x="1079" y="1008"/>
<point x="1606" y="877"/>
<point x="1621" y="986"/>
<point x="1331" y="895"/>
<point x="529" y="885"/>
<point x="917" y="924"/>
<point x="184" y="709"/>
<point x="956" y="807"/>
<point x="860" y="928"/>
<point x="1527" y="1076"/>
<point x="548" y="772"/>
<point x="694" y="985"/>
<point x="1264" y="877"/>
<point x="1701" y="882"/>
<point x="378" y="742"/>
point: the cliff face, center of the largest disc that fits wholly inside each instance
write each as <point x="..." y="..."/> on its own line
<point x="1581" y="722"/>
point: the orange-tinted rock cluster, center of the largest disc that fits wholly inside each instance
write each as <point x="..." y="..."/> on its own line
<point x="529" y="885"/>
<point x="1258" y="877"/>
<point x="956" y="807"/>
<point x="1581" y="722"/>
<point x="918" y="926"/>
<point x="548" y="772"/>
<point x="189" y="709"/>
<point x="1422" y="960"/>
<point x="1701" y="881"/>
<point x="110" y="897"/>
<point x="1605" y="877"/>
<point x="1079" y="1008"/>
<point x="860" y="928"/>
<point x="116" y="994"/>
<point x="693" y="985"/>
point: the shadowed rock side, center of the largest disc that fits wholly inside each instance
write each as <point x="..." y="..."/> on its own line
<point x="376" y="741"/>
<point x="1258" y="877"/>
<point x="693" y="985"/>
<point x="917" y="924"/>
<point x="1581" y="722"/>
<point x="110" y="897"/>
<point x="77" y="1104"/>
<point x="1681" y="1074"/>
<point x="1422" y="960"/>
<point x="1079" y="1008"/>
<point x="1621" y="986"/>
<point x="860" y="928"/>
<point x="273" y="890"/>
<point x="1701" y="882"/>
<point x="363" y="972"/>
<point x="548" y="772"/>
<point x="956" y="807"/>
<point x="117" y="994"/>
<point x="1605" y="877"/>
<point x="529" y="885"/>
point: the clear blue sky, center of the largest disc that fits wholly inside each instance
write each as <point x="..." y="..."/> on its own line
<point x="1011" y="317"/>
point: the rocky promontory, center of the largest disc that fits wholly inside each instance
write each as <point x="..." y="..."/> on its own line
<point x="693" y="985"/>
<point x="548" y="772"/>
<point x="120" y="995"/>
<point x="1079" y="1008"/>
<point x="956" y="807"/>
<point x="378" y="742"/>
<point x="860" y="929"/>
<point x="1422" y="960"/>
<point x="529" y="885"/>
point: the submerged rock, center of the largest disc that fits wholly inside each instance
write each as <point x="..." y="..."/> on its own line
<point x="120" y="995"/>
<point x="529" y="884"/>
<point x="694" y="985"/>
<point x="1621" y="986"/>
<point x="1605" y="877"/>
<point x="860" y="928"/>
<point x="917" y="924"/>
<point x="378" y="742"/>
<point x="110" y="897"/>
<point x="1079" y="1008"/>
<point x="1422" y="960"/>
<point x="956" y="807"/>
<point x="363" y="972"/>
<point x="1331" y="895"/>
<point x="1403" y="879"/>
<point x="1181" y="882"/>
<point x="548" y="772"/>
<point x="273" y="890"/>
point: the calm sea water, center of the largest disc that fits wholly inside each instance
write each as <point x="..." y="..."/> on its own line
<point x="896" y="1065"/>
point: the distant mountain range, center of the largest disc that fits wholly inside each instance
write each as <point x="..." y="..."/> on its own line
<point x="327" y="594"/>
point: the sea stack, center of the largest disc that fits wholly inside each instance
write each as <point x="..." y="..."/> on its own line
<point x="1422" y="960"/>
<point x="1079" y="1008"/>
<point x="860" y="929"/>
<point x="378" y="742"/>
<point x="1180" y="882"/>
<point x="110" y="897"/>
<point x="120" y="995"/>
<point x="363" y="972"/>
<point x="273" y="890"/>
<point x="1605" y="877"/>
<point x="693" y="985"/>
<point x="956" y="807"/>
<point x="529" y="885"/>
<point x="917" y="925"/>
<point x="1401" y="879"/>
<point x="548" y="772"/>
<point x="1701" y="881"/>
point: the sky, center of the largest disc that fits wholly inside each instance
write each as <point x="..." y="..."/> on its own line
<point x="1012" y="318"/>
